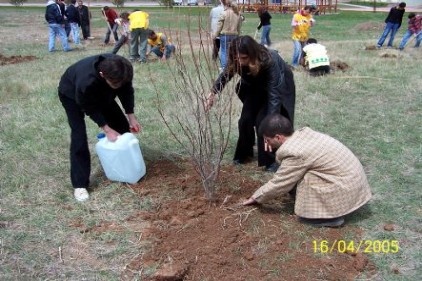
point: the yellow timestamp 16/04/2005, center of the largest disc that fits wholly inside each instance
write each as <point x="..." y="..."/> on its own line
<point x="363" y="246"/>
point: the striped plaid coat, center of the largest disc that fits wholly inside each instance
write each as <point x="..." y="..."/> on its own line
<point x="330" y="179"/>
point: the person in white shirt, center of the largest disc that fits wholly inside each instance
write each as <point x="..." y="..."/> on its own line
<point x="316" y="58"/>
<point x="213" y="20"/>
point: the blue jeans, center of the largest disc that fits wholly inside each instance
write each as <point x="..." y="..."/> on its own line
<point x="389" y="27"/>
<point x="406" y="38"/>
<point x="167" y="52"/>
<point x="297" y="52"/>
<point x="113" y="28"/>
<point x="138" y="44"/>
<point x="55" y="30"/>
<point x="75" y="32"/>
<point x="265" y="35"/>
<point x="225" y="41"/>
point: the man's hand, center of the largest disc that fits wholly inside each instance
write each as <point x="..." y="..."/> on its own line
<point x="134" y="125"/>
<point x="110" y="133"/>
<point x="209" y="102"/>
<point x="267" y="146"/>
<point x="250" y="201"/>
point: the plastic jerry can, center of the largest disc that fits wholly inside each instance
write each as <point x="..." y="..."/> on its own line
<point x="121" y="160"/>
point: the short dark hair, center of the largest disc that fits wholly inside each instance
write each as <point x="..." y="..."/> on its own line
<point x="402" y="5"/>
<point x="275" y="124"/>
<point x="116" y="69"/>
<point x="151" y="33"/>
<point x="411" y="15"/>
<point x="311" y="41"/>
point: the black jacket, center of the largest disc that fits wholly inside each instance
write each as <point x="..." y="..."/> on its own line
<point x="53" y="14"/>
<point x="72" y="14"/>
<point x="83" y="83"/>
<point x="274" y="85"/>
<point x="264" y="19"/>
<point x="395" y="16"/>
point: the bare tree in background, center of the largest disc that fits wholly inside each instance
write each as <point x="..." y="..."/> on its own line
<point x="202" y="135"/>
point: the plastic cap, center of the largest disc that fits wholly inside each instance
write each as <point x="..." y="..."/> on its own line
<point x="101" y="135"/>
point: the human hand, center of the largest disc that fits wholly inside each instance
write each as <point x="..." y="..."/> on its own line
<point x="134" y="125"/>
<point x="250" y="201"/>
<point x="110" y="133"/>
<point x="267" y="146"/>
<point x="209" y="102"/>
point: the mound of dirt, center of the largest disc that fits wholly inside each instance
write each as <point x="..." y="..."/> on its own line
<point x="339" y="65"/>
<point x="370" y="25"/>
<point x="15" y="59"/>
<point x="189" y="238"/>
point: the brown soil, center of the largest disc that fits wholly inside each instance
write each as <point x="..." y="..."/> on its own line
<point x="339" y="65"/>
<point x="15" y="59"/>
<point x="189" y="238"/>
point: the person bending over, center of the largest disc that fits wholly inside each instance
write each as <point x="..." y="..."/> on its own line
<point x="329" y="179"/>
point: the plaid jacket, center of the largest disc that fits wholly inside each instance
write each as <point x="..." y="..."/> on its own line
<point x="330" y="179"/>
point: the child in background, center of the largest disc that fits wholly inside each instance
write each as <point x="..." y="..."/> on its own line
<point x="301" y="24"/>
<point x="316" y="58"/>
<point x="123" y="21"/>
<point x="415" y="29"/>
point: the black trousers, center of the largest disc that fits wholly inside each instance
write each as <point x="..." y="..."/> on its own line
<point x="80" y="158"/>
<point x="253" y="112"/>
<point x="215" y="48"/>
<point x="320" y="70"/>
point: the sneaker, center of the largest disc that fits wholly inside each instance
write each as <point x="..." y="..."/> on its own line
<point x="335" y="222"/>
<point x="81" y="194"/>
<point x="379" y="46"/>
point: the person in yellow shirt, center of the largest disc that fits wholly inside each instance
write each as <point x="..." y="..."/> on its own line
<point x="316" y="58"/>
<point x="301" y="23"/>
<point x="160" y="45"/>
<point x="139" y="22"/>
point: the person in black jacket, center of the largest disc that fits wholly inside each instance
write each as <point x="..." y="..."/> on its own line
<point x="89" y="87"/>
<point x="392" y="24"/>
<point x="63" y="7"/>
<point x="85" y="19"/>
<point x="266" y="86"/>
<point x="72" y="15"/>
<point x="55" y="20"/>
<point x="265" y="23"/>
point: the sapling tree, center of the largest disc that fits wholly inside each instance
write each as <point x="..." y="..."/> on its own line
<point x="203" y="135"/>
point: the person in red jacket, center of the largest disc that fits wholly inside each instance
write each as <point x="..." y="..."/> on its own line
<point x="110" y="16"/>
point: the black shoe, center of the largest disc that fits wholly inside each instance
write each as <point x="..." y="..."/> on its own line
<point x="335" y="222"/>
<point x="237" y="162"/>
<point x="272" y="168"/>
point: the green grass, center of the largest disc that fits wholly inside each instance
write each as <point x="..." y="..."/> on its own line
<point x="374" y="108"/>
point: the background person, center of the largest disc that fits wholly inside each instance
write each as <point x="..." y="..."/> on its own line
<point x="213" y="20"/>
<point x="160" y="45"/>
<point x="89" y="87"/>
<point x="139" y="22"/>
<point x="266" y="86"/>
<point x="265" y="23"/>
<point x="301" y="24"/>
<point x="63" y="8"/>
<point x="110" y="16"/>
<point x="414" y="29"/>
<point x="392" y="24"/>
<point x="55" y="20"/>
<point x="74" y="22"/>
<point x="329" y="179"/>
<point x="316" y="58"/>
<point x="85" y="19"/>
<point x="123" y="21"/>
<point x="228" y="28"/>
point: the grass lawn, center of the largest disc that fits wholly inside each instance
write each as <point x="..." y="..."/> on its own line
<point x="374" y="107"/>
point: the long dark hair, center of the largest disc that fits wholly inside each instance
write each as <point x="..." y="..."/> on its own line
<point x="246" y="45"/>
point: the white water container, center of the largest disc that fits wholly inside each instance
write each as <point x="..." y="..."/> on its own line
<point x="121" y="160"/>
